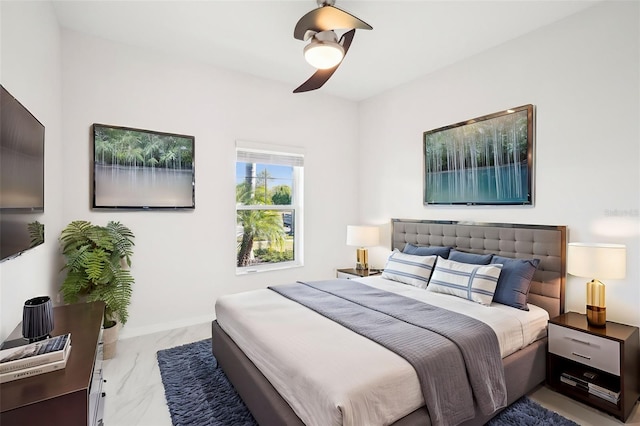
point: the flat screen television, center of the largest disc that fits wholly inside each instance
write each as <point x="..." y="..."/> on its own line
<point x="21" y="177"/>
<point x="142" y="169"/>
<point x="487" y="160"/>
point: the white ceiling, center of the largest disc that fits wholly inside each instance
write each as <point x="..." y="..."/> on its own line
<point x="409" y="38"/>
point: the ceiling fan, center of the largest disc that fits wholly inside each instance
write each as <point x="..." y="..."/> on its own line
<point x="325" y="51"/>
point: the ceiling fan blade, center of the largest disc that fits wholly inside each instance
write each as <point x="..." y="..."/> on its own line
<point x="320" y="77"/>
<point x="327" y="18"/>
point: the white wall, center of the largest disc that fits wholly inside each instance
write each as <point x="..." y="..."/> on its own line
<point x="30" y="71"/>
<point x="582" y="74"/>
<point x="184" y="260"/>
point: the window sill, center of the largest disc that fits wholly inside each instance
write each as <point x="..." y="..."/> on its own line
<point x="249" y="270"/>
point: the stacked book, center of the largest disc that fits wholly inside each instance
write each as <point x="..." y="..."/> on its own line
<point x="592" y="388"/>
<point x="35" y="358"/>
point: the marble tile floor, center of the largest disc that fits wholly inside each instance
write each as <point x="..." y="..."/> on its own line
<point x="135" y="395"/>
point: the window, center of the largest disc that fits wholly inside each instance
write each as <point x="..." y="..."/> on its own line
<point x="269" y="189"/>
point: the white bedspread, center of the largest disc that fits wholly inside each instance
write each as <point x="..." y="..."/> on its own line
<point x="332" y="376"/>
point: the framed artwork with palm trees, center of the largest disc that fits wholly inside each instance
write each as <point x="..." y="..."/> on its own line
<point x="486" y="160"/>
<point x="142" y="169"/>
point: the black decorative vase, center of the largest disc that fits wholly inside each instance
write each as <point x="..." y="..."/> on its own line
<point x="37" y="318"/>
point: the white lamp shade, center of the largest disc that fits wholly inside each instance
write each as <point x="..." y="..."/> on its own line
<point x="362" y="236"/>
<point x="599" y="261"/>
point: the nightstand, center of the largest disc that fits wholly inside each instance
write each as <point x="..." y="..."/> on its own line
<point x="350" y="273"/>
<point x="593" y="365"/>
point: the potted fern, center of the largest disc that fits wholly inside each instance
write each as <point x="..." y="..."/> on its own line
<point x="98" y="259"/>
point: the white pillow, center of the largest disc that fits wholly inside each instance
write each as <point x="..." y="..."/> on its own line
<point x="409" y="269"/>
<point x="465" y="280"/>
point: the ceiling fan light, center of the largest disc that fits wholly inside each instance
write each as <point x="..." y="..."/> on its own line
<point x="323" y="54"/>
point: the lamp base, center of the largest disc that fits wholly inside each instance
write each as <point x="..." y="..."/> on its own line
<point x="596" y="311"/>
<point x="362" y="259"/>
<point x="596" y="316"/>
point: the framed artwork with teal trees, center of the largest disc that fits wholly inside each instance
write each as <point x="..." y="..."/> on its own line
<point x="483" y="161"/>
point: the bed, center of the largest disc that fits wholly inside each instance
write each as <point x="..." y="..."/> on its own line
<point x="303" y="368"/>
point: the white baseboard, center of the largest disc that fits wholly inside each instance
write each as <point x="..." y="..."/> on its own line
<point x="127" y="332"/>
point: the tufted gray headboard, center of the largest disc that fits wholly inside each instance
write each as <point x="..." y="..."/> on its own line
<point x="545" y="242"/>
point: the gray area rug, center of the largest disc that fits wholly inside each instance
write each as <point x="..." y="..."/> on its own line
<point x="199" y="394"/>
<point x="525" y="412"/>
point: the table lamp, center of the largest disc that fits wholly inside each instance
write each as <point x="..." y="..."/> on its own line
<point x="362" y="237"/>
<point x="593" y="260"/>
<point x="37" y="318"/>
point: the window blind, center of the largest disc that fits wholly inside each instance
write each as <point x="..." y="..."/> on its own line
<point x="254" y="152"/>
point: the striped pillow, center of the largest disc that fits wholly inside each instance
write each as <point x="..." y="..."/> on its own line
<point x="409" y="269"/>
<point x="468" y="281"/>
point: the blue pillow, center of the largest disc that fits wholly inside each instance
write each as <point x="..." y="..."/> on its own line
<point x="514" y="281"/>
<point x="426" y="251"/>
<point x="476" y="259"/>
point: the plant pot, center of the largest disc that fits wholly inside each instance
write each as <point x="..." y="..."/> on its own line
<point x="109" y="341"/>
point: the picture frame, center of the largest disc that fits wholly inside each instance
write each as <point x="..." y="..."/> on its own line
<point x="142" y="169"/>
<point x="487" y="160"/>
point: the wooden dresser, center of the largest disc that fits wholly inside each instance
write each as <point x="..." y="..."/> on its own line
<point x="71" y="396"/>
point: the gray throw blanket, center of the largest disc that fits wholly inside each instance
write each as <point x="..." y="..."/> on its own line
<point x="456" y="357"/>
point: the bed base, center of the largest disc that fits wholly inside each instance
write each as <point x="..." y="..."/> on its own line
<point x="524" y="370"/>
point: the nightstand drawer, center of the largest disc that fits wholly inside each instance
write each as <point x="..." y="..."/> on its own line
<point x="594" y="351"/>
<point x="344" y="275"/>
